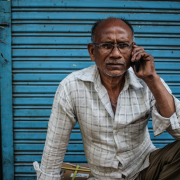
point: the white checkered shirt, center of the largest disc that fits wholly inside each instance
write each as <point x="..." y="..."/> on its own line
<point x="114" y="144"/>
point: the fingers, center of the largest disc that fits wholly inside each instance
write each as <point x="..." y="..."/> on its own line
<point x="133" y="58"/>
<point x="147" y="66"/>
<point x="140" y="54"/>
<point x="137" y="48"/>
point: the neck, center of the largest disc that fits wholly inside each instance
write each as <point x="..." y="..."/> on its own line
<point x="113" y="84"/>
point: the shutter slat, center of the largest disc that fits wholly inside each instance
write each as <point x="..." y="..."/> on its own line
<point x="100" y="4"/>
<point x="94" y="16"/>
<point x="86" y="40"/>
<point x="68" y="28"/>
<point x="80" y="53"/>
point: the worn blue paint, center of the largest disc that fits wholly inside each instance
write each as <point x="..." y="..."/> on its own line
<point x="82" y="53"/>
<point x="99" y="4"/>
<point x="85" y="40"/>
<point x="6" y="93"/>
<point x="84" y="28"/>
<point x="94" y="16"/>
<point x="152" y="34"/>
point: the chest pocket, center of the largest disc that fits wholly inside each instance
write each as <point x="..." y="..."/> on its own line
<point x="135" y="133"/>
<point x="141" y="119"/>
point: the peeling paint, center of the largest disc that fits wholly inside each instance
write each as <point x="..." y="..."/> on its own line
<point x="3" y="57"/>
<point x="4" y="30"/>
<point x="3" y="41"/>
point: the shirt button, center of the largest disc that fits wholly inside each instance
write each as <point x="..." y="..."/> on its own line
<point x="118" y="154"/>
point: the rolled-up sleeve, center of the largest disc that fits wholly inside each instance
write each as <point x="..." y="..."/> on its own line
<point x="60" y="125"/>
<point x="171" y="124"/>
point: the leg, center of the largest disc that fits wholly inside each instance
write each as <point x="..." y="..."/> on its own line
<point x="164" y="164"/>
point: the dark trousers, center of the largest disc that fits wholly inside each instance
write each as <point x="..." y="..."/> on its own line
<point x="164" y="164"/>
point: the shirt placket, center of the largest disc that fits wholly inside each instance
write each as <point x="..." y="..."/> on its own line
<point x="118" y="132"/>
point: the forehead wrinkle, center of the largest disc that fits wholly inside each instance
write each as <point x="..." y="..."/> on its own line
<point x="115" y="33"/>
<point x="113" y="23"/>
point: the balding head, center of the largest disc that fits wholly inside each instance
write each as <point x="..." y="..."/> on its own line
<point x="110" y="22"/>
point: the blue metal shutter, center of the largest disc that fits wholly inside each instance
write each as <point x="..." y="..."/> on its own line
<point x="49" y="40"/>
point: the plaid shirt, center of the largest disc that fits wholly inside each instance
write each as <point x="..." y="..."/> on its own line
<point x="114" y="144"/>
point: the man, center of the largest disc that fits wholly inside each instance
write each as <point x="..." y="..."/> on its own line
<point x="112" y="105"/>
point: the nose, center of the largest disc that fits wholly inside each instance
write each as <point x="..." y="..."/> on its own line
<point x="115" y="53"/>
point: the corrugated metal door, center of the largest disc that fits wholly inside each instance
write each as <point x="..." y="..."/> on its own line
<point x="49" y="40"/>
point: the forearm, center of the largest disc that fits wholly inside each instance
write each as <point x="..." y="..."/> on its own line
<point x="53" y="154"/>
<point x="60" y="125"/>
<point x="164" y="99"/>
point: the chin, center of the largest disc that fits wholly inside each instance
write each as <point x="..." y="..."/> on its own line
<point x="111" y="74"/>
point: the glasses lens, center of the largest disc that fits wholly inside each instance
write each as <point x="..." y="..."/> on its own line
<point x="105" y="48"/>
<point x="124" y="48"/>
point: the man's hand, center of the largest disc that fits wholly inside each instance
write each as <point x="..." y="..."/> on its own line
<point x="147" y="67"/>
<point x="148" y="74"/>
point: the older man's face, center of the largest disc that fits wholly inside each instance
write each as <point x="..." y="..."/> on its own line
<point x="115" y="63"/>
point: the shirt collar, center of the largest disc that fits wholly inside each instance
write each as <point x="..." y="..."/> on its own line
<point x="92" y="74"/>
<point x="88" y="74"/>
<point x="132" y="79"/>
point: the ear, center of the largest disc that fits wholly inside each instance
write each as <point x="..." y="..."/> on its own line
<point x="91" y="51"/>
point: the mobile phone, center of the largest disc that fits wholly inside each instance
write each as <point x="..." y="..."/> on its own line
<point x="136" y="62"/>
<point x="137" y="65"/>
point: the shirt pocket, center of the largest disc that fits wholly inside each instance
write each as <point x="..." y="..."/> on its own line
<point x="141" y="119"/>
<point x="135" y="133"/>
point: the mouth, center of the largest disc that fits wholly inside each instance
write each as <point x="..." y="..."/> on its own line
<point x="114" y="64"/>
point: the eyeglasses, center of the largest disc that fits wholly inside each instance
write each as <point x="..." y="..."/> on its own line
<point x="107" y="48"/>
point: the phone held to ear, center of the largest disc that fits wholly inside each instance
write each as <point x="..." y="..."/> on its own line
<point x="137" y="65"/>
